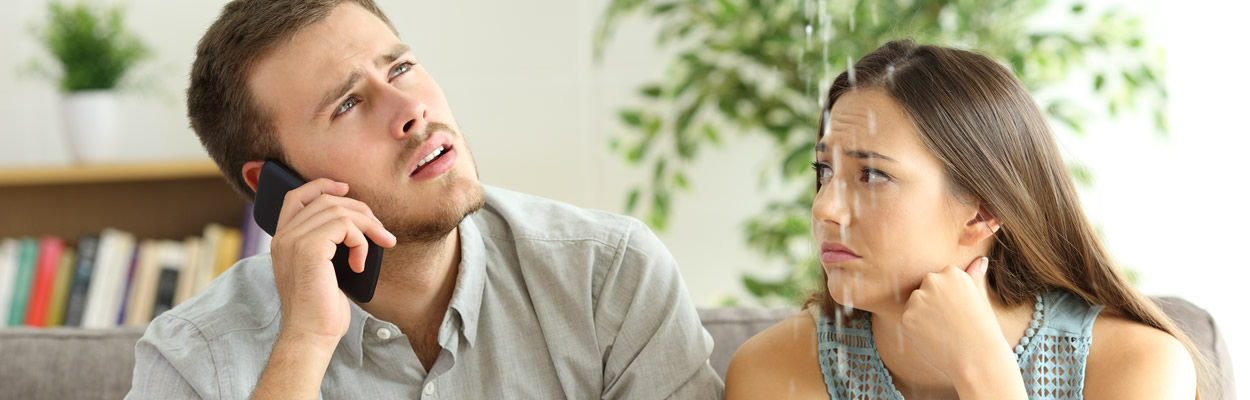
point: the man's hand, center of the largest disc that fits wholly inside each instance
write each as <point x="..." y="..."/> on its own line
<point x="315" y="218"/>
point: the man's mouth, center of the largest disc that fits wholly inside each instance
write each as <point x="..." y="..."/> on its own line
<point x="434" y="155"/>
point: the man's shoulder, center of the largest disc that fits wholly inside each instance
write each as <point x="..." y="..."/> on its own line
<point x="518" y="216"/>
<point x="242" y="298"/>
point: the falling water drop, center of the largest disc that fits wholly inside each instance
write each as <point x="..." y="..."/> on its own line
<point x="850" y="70"/>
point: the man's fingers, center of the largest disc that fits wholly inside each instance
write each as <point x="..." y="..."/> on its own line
<point x="296" y="199"/>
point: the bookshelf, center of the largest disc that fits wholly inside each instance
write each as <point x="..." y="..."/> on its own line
<point x="159" y="200"/>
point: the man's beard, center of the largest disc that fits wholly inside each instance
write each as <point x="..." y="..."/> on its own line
<point x="438" y="218"/>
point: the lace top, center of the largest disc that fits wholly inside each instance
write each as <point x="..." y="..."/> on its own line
<point x="1051" y="355"/>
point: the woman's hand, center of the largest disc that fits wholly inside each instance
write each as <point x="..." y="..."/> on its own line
<point x="949" y="320"/>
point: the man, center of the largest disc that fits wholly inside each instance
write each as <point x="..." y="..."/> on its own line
<point x="482" y="294"/>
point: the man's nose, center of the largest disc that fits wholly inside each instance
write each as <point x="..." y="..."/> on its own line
<point x="410" y="119"/>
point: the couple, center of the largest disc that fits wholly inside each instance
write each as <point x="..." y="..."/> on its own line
<point x="932" y="157"/>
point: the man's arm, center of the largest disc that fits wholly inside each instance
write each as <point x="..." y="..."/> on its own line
<point x="660" y="349"/>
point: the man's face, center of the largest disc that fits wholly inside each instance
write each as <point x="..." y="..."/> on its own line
<point x="350" y="103"/>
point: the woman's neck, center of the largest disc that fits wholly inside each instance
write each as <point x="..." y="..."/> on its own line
<point x="909" y="371"/>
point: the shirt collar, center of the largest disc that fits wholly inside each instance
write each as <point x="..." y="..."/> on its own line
<point x="466" y="300"/>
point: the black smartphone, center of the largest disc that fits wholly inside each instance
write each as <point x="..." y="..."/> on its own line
<point x="275" y="180"/>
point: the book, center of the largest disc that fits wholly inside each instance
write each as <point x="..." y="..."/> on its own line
<point x="186" y="280"/>
<point x="171" y="260"/>
<point x="60" y="289"/>
<point x="46" y="266"/>
<point x="207" y="260"/>
<point x="84" y="266"/>
<point x="227" y="250"/>
<point x="112" y="268"/>
<point x="143" y="284"/>
<point x="122" y="299"/>
<point x="28" y="249"/>
<point x="8" y="274"/>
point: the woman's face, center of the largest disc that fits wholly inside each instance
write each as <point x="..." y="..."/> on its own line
<point x="884" y="215"/>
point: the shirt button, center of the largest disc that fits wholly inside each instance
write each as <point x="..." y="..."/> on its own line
<point x="429" y="388"/>
<point x="384" y="333"/>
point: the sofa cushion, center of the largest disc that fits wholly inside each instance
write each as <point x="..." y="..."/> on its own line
<point x="70" y="363"/>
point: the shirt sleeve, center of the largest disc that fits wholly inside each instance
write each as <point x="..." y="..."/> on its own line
<point x="653" y="343"/>
<point x="173" y="361"/>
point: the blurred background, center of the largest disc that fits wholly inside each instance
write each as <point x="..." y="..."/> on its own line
<point x="688" y="115"/>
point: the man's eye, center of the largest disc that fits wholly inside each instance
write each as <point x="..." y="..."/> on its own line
<point x="346" y="106"/>
<point x="400" y="69"/>
<point x="873" y="176"/>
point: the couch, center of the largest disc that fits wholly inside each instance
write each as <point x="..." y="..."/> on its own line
<point x="69" y="363"/>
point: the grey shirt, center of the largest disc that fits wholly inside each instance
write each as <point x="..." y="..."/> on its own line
<point x="551" y="301"/>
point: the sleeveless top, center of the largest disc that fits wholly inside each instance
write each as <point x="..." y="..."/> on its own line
<point x="1051" y="355"/>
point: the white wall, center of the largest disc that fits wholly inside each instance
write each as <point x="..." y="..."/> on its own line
<point x="538" y="112"/>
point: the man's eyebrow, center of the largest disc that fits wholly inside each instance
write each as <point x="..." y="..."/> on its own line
<point x="339" y="91"/>
<point x="860" y="154"/>
<point x="396" y="52"/>
<point x="390" y="57"/>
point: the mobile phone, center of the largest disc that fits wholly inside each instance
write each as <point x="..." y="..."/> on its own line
<point x="276" y="179"/>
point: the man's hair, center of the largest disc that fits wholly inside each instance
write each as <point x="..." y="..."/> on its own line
<point x="233" y="127"/>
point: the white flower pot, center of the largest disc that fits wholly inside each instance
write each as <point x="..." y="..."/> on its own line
<point x="91" y="125"/>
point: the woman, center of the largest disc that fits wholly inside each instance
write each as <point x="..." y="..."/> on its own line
<point x="930" y="157"/>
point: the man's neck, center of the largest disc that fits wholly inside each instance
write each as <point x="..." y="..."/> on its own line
<point x="416" y="284"/>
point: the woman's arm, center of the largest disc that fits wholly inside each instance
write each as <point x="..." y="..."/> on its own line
<point x="1129" y="360"/>
<point x="780" y="360"/>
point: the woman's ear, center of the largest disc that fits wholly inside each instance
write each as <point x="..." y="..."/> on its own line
<point x="979" y="228"/>
<point x="251" y="173"/>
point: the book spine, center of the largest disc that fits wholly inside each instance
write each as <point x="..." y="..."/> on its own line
<point x="21" y="285"/>
<point x="49" y="258"/>
<point x="60" y="289"/>
<point x="131" y="262"/>
<point x="83" y="268"/>
<point x="8" y="274"/>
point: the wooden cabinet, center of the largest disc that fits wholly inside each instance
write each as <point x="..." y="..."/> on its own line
<point x="153" y="200"/>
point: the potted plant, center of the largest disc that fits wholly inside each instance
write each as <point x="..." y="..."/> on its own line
<point x="94" y="51"/>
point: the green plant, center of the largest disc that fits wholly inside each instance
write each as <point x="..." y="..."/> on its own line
<point x="92" y="46"/>
<point x="760" y="67"/>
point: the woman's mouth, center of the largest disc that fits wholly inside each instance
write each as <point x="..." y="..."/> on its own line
<point x="834" y="253"/>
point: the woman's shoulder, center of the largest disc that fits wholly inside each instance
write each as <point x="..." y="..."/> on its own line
<point x="1132" y="360"/>
<point x="780" y="359"/>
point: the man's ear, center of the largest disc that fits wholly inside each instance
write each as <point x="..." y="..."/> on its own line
<point x="251" y="173"/>
<point x="979" y="228"/>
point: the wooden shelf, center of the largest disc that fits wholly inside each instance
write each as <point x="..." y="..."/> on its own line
<point x="158" y="200"/>
<point x="165" y="170"/>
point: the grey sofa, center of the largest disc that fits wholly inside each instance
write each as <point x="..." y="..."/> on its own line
<point x="65" y="363"/>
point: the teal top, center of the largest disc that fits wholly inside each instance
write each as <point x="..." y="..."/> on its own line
<point x="1051" y="354"/>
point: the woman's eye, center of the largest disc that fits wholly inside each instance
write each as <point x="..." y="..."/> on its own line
<point x="400" y="69"/>
<point x="346" y="106"/>
<point x="823" y="171"/>
<point x="873" y="176"/>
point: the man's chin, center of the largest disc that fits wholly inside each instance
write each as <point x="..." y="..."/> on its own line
<point x="441" y="221"/>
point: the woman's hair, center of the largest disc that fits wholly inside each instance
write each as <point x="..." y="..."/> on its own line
<point x="994" y="145"/>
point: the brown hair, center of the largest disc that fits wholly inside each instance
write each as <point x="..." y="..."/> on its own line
<point x="995" y="145"/>
<point x="233" y="128"/>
